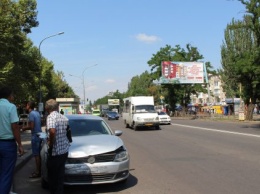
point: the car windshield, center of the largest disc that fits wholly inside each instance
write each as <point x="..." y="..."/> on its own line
<point x="162" y="113"/>
<point x="144" y="109"/>
<point x="88" y="127"/>
<point x="112" y="113"/>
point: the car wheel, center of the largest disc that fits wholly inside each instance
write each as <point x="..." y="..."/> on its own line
<point x="157" y="127"/>
<point x="44" y="183"/>
<point x="126" y="125"/>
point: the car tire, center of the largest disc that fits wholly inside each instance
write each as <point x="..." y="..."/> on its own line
<point x="126" y="125"/>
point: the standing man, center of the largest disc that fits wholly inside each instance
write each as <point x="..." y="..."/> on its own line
<point x="58" y="142"/>
<point x="62" y="112"/>
<point x="9" y="139"/>
<point x="34" y="125"/>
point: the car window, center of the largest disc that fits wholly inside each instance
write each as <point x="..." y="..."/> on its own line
<point x="112" y="113"/>
<point x="161" y="113"/>
<point x="145" y="108"/>
<point x="88" y="127"/>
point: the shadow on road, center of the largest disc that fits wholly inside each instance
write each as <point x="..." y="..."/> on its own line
<point x="105" y="188"/>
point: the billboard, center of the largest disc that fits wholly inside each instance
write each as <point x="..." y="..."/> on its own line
<point x="174" y="72"/>
<point x="113" y="102"/>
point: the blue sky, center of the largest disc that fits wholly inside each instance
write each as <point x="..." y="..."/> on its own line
<point x="120" y="36"/>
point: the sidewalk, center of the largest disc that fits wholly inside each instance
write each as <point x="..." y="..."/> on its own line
<point x="26" y="141"/>
<point x="218" y="117"/>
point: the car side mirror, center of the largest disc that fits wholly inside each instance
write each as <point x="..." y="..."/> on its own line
<point x="118" y="132"/>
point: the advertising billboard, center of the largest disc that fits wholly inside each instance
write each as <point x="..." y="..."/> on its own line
<point x="113" y="102"/>
<point x="174" y="72"/>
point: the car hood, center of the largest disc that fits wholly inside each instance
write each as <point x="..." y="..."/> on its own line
<point x="84" y="146"/>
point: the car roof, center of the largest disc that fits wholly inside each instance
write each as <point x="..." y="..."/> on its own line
<point x="83" y="117"/>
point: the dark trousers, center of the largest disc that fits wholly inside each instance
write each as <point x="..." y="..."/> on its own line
<point x="8" y="156"/>
<point x="56" y="170"/>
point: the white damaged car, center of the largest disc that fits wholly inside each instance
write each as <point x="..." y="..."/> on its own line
<point x="96" y="156"/>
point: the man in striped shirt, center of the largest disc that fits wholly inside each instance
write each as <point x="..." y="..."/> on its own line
<point x="58" y="142"/>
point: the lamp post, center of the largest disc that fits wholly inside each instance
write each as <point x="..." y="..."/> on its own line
<point x="83" y="84"/>
<point x="40" y="107"/>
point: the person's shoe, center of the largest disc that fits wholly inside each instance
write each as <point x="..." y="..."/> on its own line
<point x="35" y="175"/>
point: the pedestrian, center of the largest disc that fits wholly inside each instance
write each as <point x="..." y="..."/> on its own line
<point x="34" y="124"/>
<point x="10" y="139"/>
<point x="61" y="112"/>
<point x="58" y="144"/>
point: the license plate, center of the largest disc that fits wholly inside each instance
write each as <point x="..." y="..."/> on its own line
<point x="149" y="124"/>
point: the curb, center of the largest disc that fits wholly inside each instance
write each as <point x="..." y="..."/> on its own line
<point x="22" y="160"/>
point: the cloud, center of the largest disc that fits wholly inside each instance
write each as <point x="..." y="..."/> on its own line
<point x="146" y="38"/>
<point x="110" y="81"/>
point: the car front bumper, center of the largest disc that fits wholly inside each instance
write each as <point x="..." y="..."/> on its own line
<point x="98" y="173"/>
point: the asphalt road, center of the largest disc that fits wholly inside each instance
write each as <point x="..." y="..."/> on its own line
<point x="187" y="157"/>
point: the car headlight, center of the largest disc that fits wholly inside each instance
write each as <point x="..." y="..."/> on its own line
<point x="139" y="118"/>
<point x="157" y="118"/>
<point x="122" y="156"/>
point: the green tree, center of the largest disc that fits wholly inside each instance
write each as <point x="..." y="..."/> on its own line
<point x="19" y="59"/>
<point x="16" y="20"/>
<point x="240" y="54"/>
<point x="140" y="85"/>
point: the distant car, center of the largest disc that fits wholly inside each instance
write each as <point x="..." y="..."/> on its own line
<point x="96" y="156"/>
<point x="23" y="119"/>
<point x="164" y="118"/>
<point x="96" y="112"/>
<point x="104" y="112"/>
<point x="111" y="115"/>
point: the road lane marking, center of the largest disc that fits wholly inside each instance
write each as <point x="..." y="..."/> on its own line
<point x="217" y="130"/>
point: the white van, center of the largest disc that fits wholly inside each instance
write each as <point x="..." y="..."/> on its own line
<point x="139" y="111"/>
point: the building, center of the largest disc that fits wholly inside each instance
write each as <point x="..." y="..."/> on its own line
<point x="215" y="95"/>
<point x="68" y="105"/>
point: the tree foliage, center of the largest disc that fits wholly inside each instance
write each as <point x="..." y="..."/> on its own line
<point x="140" y="85"/>
<point x="19" y="59"/>
<point x="175" y="93"/>
<point x="240" y="55"/>
<point x="16" y="20"/>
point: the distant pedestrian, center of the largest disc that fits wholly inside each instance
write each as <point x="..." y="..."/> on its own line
<point x="9" y="139"/>
<point x="34" y="125"/>
<point x="58" y="143"/>
<point x="61" y="112"/>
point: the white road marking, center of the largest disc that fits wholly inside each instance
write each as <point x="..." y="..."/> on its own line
<point x="217" y="130"/>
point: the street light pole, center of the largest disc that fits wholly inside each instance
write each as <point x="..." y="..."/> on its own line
<point x="83" y="83"/>
<point x="40" y="107"/>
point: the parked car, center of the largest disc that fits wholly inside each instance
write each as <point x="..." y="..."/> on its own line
<point x="23" y="119"/>
<point x="164" y="118"/>
<point x="96" y="156"/>
<point x="112" y="115"/>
